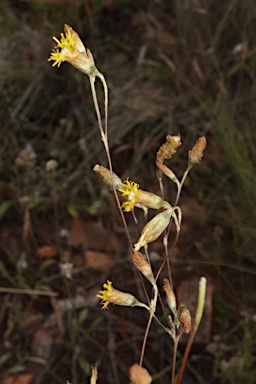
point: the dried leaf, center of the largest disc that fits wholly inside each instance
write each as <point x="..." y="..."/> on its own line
<point x="47" y="251"/>
<point x="98" y="260"/>
<point x="23" y="378"/>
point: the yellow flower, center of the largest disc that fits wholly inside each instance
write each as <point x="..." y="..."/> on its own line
<point x="104" y="295"/>
<point x="129" y="189"/>
<point x="66" y="42"/>
<point x="70" y="48"/>
<point x="57" y="57"/>
<point x="112" y="295"/>
<point x="139" y="198"/>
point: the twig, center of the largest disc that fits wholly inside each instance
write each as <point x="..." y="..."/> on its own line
<point x="28" y="292"/>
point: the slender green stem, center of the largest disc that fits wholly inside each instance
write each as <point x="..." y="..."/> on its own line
<point x="104" y="136"/>
<point x="96" y="105"/>
<point x="102" y="78"/>
<point x="153" y="305"/>
<point x="182" y="182"/>
<point x="152" y="311"/>
<point x="142" y="305"/>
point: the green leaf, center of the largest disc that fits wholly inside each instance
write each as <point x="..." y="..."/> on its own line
<point x="72" y="210"/>
<point x="82" y="316"/>
<point x="84" y="365"/>
<point x="4" y="358"/>
<point x="44" y="265"/>
<point x="16" y="369"/>
<point x="4" y="206"/>
<point x="5" y="273"/>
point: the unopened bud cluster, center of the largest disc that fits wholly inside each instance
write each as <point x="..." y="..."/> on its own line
<point x="181" y="318"/>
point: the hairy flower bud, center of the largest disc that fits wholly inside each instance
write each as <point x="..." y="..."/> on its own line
<point x="142" y="265"/>
<point x="150" y="200"/>
<point x="139" y="375"/>
<point x="170" y="296"/>
<point x="168" y="149"/>
<point x="154" y="228"/>
<point x="111" y="179"/>
<point x="184" y="318"/>
<point x="94" y="375"/>
<point x="196" y="153"/>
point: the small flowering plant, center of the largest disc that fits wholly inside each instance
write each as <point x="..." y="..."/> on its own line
<point x="113" y="296"/>
<point x="130" y="191"/>
<point x="129" y="197"/>
<point x="71" y="49"/>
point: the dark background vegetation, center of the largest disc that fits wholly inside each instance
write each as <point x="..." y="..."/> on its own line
<point x="172" y="67"/>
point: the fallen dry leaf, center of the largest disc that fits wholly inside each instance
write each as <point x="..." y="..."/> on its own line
<point x="23" y="378"/>
<point x="76" y="236"/>
<point x="91" y="235"/>
<point x="30" y="320"/>
<point x="47" y="251"/>
<point x="98" y="260"/>
<point x="11" y="243"/>
<point x="41" y="344"/>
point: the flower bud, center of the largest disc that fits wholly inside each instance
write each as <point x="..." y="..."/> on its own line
<point x="168" y="172"/>
<point x="154" y="228"/>
<point x="94" y="375"/>
<point x="168" y="149"/>
<point x="201" y="299"/>
<point x="109" y="178"/>
<point x="196" y="153"/>
<point x="139" y="375"/>
<point x="142" y="265"/>
<point x="170" y="296"/>
<point x="184" y="318"/>
<point x="150" y="200"/>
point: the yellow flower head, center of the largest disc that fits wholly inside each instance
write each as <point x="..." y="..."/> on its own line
<point x="112" y="295"/>
<point x="66" y="42"/>
<point x="129" y="189"/>
<point x="71" y="48"/>
<point x="104" y="295"/>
